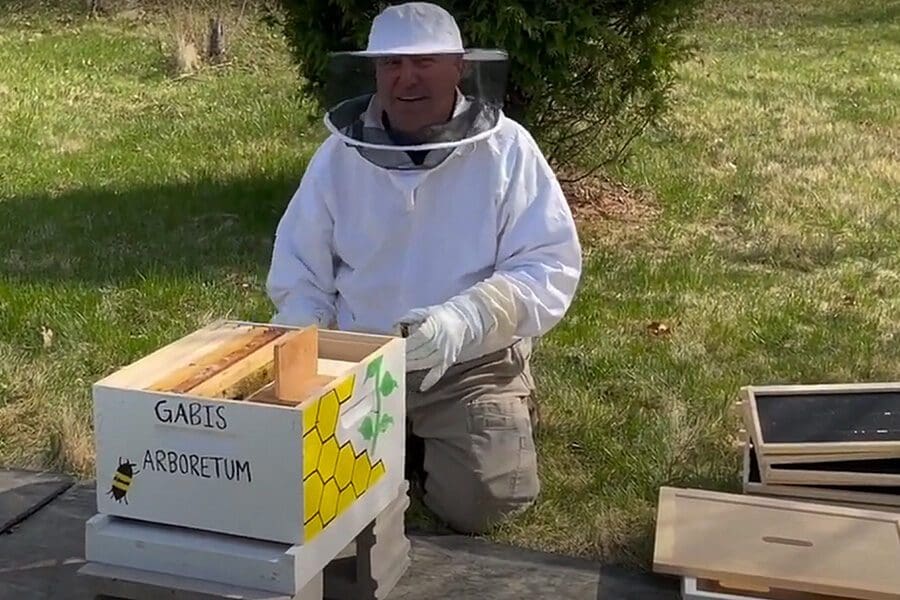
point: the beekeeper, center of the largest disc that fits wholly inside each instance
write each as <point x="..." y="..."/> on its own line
<point x="428" y="209"/>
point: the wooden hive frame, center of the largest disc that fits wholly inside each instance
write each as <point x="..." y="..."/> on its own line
<point x="252" y="362"/>
<point x="779" y="463"/>
<point x="753" y="485"/>
<point x="750" y="394"/>
<point x="792" y="474"/>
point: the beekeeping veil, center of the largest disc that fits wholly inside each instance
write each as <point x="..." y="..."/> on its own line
<point x="415" y="93"/>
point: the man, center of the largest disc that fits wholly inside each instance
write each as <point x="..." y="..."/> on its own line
<point x="429" y="211"/>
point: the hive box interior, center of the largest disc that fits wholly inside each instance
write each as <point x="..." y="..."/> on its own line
<point x="248" y="362"/>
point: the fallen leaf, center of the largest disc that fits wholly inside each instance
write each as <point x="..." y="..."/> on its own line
<point x="658" y="328"/>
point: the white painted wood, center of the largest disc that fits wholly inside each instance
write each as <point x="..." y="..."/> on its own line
<point x="390" y="448"/>
<point x="268" y="442"/>
<point x="312" y="558"/>
<point x="335" y="368"/>
<point x="314" y="588"/>
<point x="182" y="552"/>
<point x="137" y="584"/>
<point x="259" y="447"/>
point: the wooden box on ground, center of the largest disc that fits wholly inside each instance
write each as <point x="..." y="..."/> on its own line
<point x="824" y="418"/>
<point x="283" y="436"/>
<point x="825" y="435"/>
<point x="760" y="544"/>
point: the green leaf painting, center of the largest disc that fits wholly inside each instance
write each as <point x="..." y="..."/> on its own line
<point x="388" y="384"/>
<point x="374" y="369"/>
<point x="385" y="422"/>
<point x="373" y="425"/>
<point x="367" y="428"/>
<point x="377" y="422"/>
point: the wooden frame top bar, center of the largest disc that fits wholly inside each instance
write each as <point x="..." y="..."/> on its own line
<point x="238" y="360"/>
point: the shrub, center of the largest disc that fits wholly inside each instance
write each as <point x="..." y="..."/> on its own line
<point x="585" y="77"/>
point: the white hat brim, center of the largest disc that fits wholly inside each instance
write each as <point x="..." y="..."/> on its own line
<point x="468" y="53"/>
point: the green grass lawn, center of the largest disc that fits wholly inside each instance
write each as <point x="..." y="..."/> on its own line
<point x="135" y="208"/>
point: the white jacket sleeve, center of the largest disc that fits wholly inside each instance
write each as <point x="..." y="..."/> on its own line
<point x="539" y="254"/>
<point x="301" y="275"/>
<point x="538" y="264"/>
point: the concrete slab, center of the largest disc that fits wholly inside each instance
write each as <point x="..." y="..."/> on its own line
<point x="466" y="568"/>
<point x="39" y="560"/>
<point x="24" y="492"/>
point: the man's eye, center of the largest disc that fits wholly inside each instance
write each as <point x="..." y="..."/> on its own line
<point x="424" y="62"/>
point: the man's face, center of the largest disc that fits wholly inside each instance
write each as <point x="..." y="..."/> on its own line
<point x="417" y="91"/>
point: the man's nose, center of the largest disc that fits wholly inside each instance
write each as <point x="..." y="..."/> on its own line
<point x="407" y="75"/>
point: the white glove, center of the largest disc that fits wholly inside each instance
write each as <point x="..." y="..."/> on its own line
<point x="478" y="321"/>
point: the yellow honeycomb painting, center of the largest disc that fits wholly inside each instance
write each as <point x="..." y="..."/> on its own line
<point x="334" y="474"/>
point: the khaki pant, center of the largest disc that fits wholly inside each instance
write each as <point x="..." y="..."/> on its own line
<point x="479" y="457"/>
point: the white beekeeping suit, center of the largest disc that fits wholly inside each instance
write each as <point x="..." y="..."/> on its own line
<point x="461" y="231"/>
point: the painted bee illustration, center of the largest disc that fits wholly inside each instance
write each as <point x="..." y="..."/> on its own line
<point x="122" y="480"/>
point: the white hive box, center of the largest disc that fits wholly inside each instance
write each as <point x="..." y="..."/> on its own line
<point x="288" y="439"/>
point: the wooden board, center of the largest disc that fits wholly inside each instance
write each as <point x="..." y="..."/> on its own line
<point x="800" y="459"/>
<point x="243" y="377"/>
<point x="138" y="584"/>
<point x="776" y="543"/>
<point x="230" y="560"/>
<point x="254" y="376"/>
<point x="707" y="589"/>
<point x="296" y="363"/>
<point x="216" y="360"/>
<point x="887" y="497"/>
<point x="881" y="472"/>
<point x="159" y="363"/>
<point x="309" y="390"/>
<point x="835" y="418"/>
